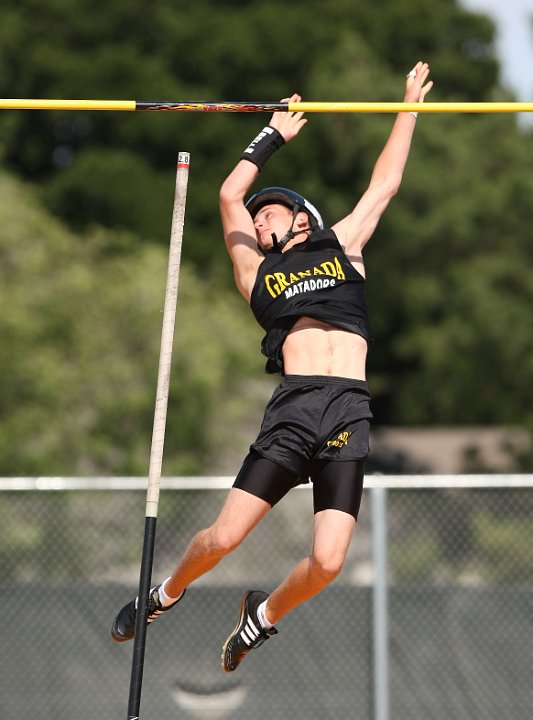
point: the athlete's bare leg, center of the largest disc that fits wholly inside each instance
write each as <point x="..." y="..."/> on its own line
<point x="241" y="512"/>
<point x="333" y="530"/>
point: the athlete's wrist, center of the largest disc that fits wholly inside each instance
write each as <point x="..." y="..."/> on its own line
<point x="263" y="146"/>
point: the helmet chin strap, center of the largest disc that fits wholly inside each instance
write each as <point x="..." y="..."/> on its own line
<point x="290" y="234"/>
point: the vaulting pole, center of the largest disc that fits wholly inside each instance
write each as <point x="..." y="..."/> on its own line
<point x="158" y="432"/>
<point x="308" y="107"/>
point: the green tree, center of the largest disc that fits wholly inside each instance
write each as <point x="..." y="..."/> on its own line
<point x="80" y="328"/>
<point x="456" y="273"/>
<point x="111" y="168"/>
<point x="449" y="291"/>
<point x="449" y="288"/>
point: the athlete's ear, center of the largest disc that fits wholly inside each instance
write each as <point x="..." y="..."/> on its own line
<point x="302" y="221"/>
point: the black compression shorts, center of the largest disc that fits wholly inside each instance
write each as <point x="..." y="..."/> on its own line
<point x="314" y="427"/>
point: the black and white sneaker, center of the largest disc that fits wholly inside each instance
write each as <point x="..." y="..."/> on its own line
<point x="123" y="627"/>
<point x="248" y="633"/>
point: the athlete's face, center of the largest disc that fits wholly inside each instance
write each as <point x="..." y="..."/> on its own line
<point x="271" y="219"/>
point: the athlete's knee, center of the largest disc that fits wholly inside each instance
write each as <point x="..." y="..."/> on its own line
<point x="223" y="539"/>
<point x="327" y="565"/>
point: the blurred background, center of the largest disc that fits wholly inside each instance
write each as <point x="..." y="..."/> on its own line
<point x="85" y="210"/>
<point x="86" y="202"/>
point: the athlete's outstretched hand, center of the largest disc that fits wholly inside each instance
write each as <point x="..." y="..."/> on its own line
<point x="416" y="86"/>
<point x="288" y="123"/>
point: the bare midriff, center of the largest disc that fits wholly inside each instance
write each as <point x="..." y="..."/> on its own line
<point x="313" y="347"/>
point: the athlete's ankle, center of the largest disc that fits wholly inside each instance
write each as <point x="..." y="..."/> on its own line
<point x="165" y="598"/>
<point x="263" y="617"/>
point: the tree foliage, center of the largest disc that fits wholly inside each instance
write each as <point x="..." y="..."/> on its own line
<point x="83" y="239"/>
<point x="81" y="327"/>
<point x="204" y="50"/>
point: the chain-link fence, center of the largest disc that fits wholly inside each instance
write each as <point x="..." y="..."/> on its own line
<point x="456" y="639"/>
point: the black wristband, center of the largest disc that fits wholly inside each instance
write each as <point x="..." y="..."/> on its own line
<point x="263" y="146"/>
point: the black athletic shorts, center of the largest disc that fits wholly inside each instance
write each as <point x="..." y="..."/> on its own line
<point x="315" y="427"/>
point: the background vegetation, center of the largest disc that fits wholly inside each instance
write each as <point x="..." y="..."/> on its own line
<point x="86" y="198"/>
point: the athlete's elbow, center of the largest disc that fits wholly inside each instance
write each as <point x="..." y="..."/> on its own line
<point x="392" y="185"/>
<point x="236" y="185"/>
<point x="388" y="186"/>
<point x="228" y="193"/>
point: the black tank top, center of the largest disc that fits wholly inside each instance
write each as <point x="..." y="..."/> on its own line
<point x="314" y="278"/>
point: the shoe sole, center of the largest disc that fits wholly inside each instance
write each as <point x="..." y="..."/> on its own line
<point x="233" y="632"/>
<point x="119" y="638"/>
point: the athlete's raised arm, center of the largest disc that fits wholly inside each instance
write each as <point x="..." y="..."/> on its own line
<point x="355" y="230"/>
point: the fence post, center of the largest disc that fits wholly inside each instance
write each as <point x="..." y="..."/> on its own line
<point x="380" y="611"/>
